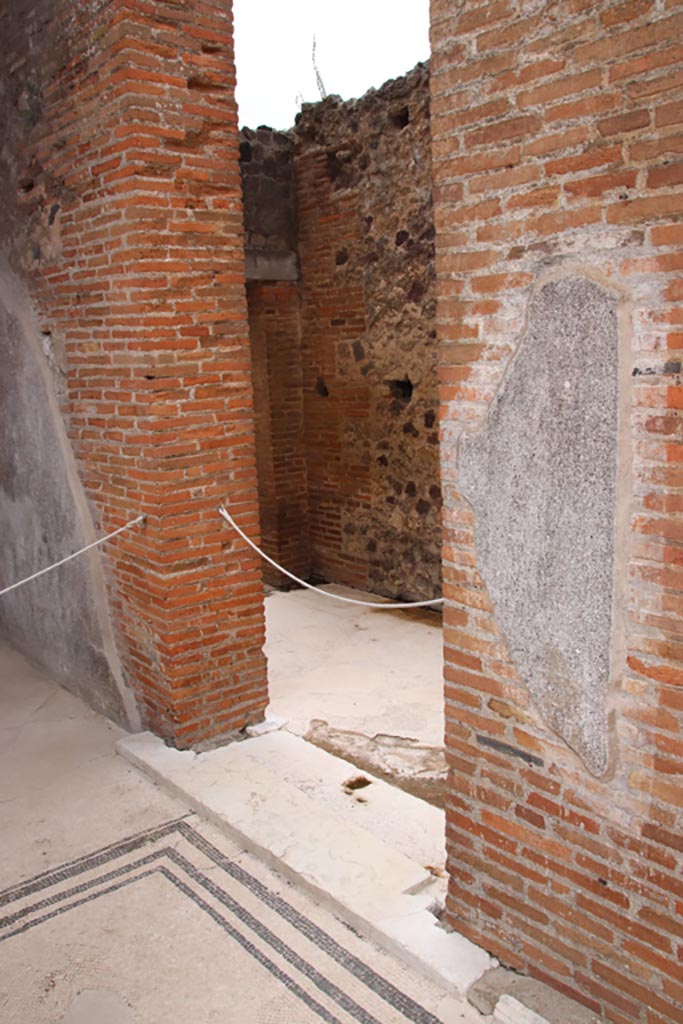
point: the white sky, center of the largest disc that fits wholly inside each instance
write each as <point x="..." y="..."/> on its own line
<point x="359" y="44"/>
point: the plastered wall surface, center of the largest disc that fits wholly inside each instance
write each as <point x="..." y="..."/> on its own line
<point x="541" y="476"/>
<point x="61" y="619"/>
<point x="556" y="147"/>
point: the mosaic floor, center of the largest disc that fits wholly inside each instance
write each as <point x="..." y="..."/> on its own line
<point x="166" y="921"/>
<point x="117" y="906"/>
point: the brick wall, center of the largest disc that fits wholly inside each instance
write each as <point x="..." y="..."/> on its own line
<point x="127" y="227"/>
<point x="557" y="143"/>
<point x="368" y="341"/>
<point x="275" y="334"/>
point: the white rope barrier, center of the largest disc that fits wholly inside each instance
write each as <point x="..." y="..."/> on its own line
<point x="309" y="586"/>
<point x="95" y="543"/>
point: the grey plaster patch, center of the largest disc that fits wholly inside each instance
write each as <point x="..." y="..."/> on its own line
<point x="270" y="266"/>
<point x="60" y="620"/>
<point x="541" y="475"/>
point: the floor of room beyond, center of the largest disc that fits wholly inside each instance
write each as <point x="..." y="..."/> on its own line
<point x="365" y="684"/>
<point x="121" y="907"/>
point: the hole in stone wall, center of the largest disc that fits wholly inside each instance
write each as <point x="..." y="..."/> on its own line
<point x="334" y="166"/>
<point x="401" y="389"/>
<point x="321" y="388"/>
<point x="400" y="118"/>
<point x="416" y="291"/>
<point x="246" y="152"/>
<point x="341" y="258"/>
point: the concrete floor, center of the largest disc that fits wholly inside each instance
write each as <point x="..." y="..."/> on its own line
<point x="120" y="906"/>
<point x="365" y="684"/>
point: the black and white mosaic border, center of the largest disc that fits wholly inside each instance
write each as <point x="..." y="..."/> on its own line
<point x="112" y="868"/>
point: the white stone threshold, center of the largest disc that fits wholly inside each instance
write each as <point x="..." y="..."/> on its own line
<point x="373" y="855"/>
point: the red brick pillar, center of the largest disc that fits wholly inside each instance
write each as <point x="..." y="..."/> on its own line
<point x="139" y="141"/>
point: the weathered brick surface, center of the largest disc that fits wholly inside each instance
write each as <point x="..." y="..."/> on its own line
<point x="368" y="340"/>
<point x="275" y="334"/>
<point x="127" y="225"/>
<point x="556" y="138"/>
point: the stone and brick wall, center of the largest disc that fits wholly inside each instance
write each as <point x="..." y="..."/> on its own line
<point x="557" y="145"/>
<point x="270" y="227"/>
<point x="355" y="208"/>
<point x="363" y="183"/>
<point x="122" y="214"/>
<point x="556" y="152"/>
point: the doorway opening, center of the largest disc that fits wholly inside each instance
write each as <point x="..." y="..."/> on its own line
<point x="341" y="308"/>
<point x="363" y="684"/>
<point x="339" y="253"/>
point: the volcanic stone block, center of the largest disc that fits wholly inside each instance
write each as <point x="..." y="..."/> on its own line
<point x="541" y="475"/>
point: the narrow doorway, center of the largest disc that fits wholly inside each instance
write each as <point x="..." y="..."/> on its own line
<point x="339" y="240"/>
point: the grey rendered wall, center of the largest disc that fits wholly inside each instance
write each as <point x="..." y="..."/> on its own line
<point x="60" y="620"/>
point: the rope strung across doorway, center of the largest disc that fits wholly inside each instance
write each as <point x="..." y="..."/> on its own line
<point x="55" y="565"/>
<point x="309" y="586"/>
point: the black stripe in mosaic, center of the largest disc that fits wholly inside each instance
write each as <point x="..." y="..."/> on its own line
<point x="66" y="894"/>
<point x="393" y="996"/>
<point x="134" y="876"/>
<point x="264" y="933"/>
<point x="253" y="951"/>
<point x="285" y="951"/>
<point x="91" y="860"/>
<point x="376" y="983"/>
<point x="90" y="898"/>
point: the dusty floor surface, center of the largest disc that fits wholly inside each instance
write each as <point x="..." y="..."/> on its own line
<point x="118" y="906"/>
<point x="365" y="684"/>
